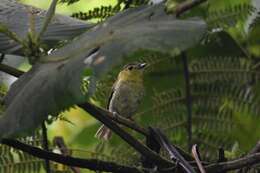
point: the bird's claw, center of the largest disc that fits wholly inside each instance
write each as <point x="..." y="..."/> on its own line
<point x="114" y="114"/>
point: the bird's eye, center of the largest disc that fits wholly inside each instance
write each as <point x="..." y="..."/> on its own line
<point x="130" y="68"/>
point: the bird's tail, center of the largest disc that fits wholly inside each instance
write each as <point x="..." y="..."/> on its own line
<point x="103" y="133"/>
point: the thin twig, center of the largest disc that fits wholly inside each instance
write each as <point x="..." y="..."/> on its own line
<point x="48" y="18"/>
<point x="12" y="35"/>
<point x="59" y="142"/>
<point x="92" y="164"/>
<point x="174" y="154"/>
<point x="197" y="158"/>
<point x="187" y="5"/>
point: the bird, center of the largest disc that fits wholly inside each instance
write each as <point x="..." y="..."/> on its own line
<point x="16" y="17"/>
<point x="127" y="93"/>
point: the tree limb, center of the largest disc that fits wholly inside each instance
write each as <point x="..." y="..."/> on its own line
<point x="256" y="149"/>
<point x="59" y="142"/>
<point x="92" y="164"/>
<point x="173" y="153"/>
<point x="196" y="155"/>
<point x="187" y="5"/>
<point x="246" y="161"/>
<point x="45" y="146"/>
<point x="138" y="146"/>
<point x="10" y="70"/>
<point x="119" y="119"/>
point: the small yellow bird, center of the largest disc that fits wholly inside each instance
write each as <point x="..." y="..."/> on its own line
<point x="127" y="92"/>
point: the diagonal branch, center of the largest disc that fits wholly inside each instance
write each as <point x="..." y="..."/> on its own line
<point x="92" y="164"/>
<point x="187" y="5"/>
<point x="10" y="70"/>
<point x="196" y="155"/>
<point x="138" y="146"/>
<point x="59" y="142"/>
<point x="119" y="119"/>
<point x="174" y="154"/>
<point x="12" y="35"/>
<point x="246" y="161"/>
<point x="134" y="126"/>
<point x="48" y="18"/>
<point x="45" y="146"/>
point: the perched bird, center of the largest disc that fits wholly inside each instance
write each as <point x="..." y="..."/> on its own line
<point x="16" y="16"/>
<point x="127" y="92"/>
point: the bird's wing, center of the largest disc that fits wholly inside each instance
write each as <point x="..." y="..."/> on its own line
<point x="111" y="95"/>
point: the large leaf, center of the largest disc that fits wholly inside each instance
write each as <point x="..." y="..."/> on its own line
<point x="16" y="17"/>
<point x="54" y="83"/>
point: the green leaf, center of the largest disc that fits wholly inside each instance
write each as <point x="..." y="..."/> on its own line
<point x="54" y="84"/>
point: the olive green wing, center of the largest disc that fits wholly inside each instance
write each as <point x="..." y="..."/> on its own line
<point x="111" y="95"/>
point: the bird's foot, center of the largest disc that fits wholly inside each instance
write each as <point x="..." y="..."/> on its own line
<point x="114" y="114"/>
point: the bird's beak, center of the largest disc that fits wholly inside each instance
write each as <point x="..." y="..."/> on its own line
<point x="142" y="65"/>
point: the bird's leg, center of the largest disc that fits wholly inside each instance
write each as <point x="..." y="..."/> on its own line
<point x="131" y="118"/>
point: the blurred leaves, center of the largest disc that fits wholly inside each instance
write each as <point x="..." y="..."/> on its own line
<point x="54" y="84"/>
<point x="223" y="70"/>
<point x="15" y="161"/>
<point x="16" y="17"/>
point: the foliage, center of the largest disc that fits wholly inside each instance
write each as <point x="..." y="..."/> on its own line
<point x="15" y="161"/>
<point x="224" y="84"/>
<point x="104" y="12"/>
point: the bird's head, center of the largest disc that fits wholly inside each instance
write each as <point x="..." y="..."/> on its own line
<point x="132" y="72"/>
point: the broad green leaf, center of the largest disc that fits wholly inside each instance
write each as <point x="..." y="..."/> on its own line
<point x="54" y="84"/>
<point x="15" y="16"/>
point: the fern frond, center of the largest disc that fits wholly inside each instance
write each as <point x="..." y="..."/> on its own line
<point x="97" y="13"/>
<point x="68" y="2"/>
<point x="221" y="69"/>
<point x="103" y="12"/>
<point x="229" y="16"/>
<point x="210" y="143"/>
<point x="256" y="21"/>
<point x="16" y="161"/>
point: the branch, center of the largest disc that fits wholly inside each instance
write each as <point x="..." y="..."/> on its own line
<point x="187" y="5"/>
<point x="48" y="18"/>
<point x="59" y="142"/>
<point x="124" y="121"/>
<point x="246" y="161"/>
<point x="119" y="119"/>
<point x="132" y="125"/>
<point x="196" y="155"/>
<point x="10" y="70"/>
<point x="12" y="35"/>
<point x="256" y="149"/>
<point x="92" y="164"/>
<point x="45" y="146"/>
<point x="174" y="154"/>
<point x="138" y="146"/>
